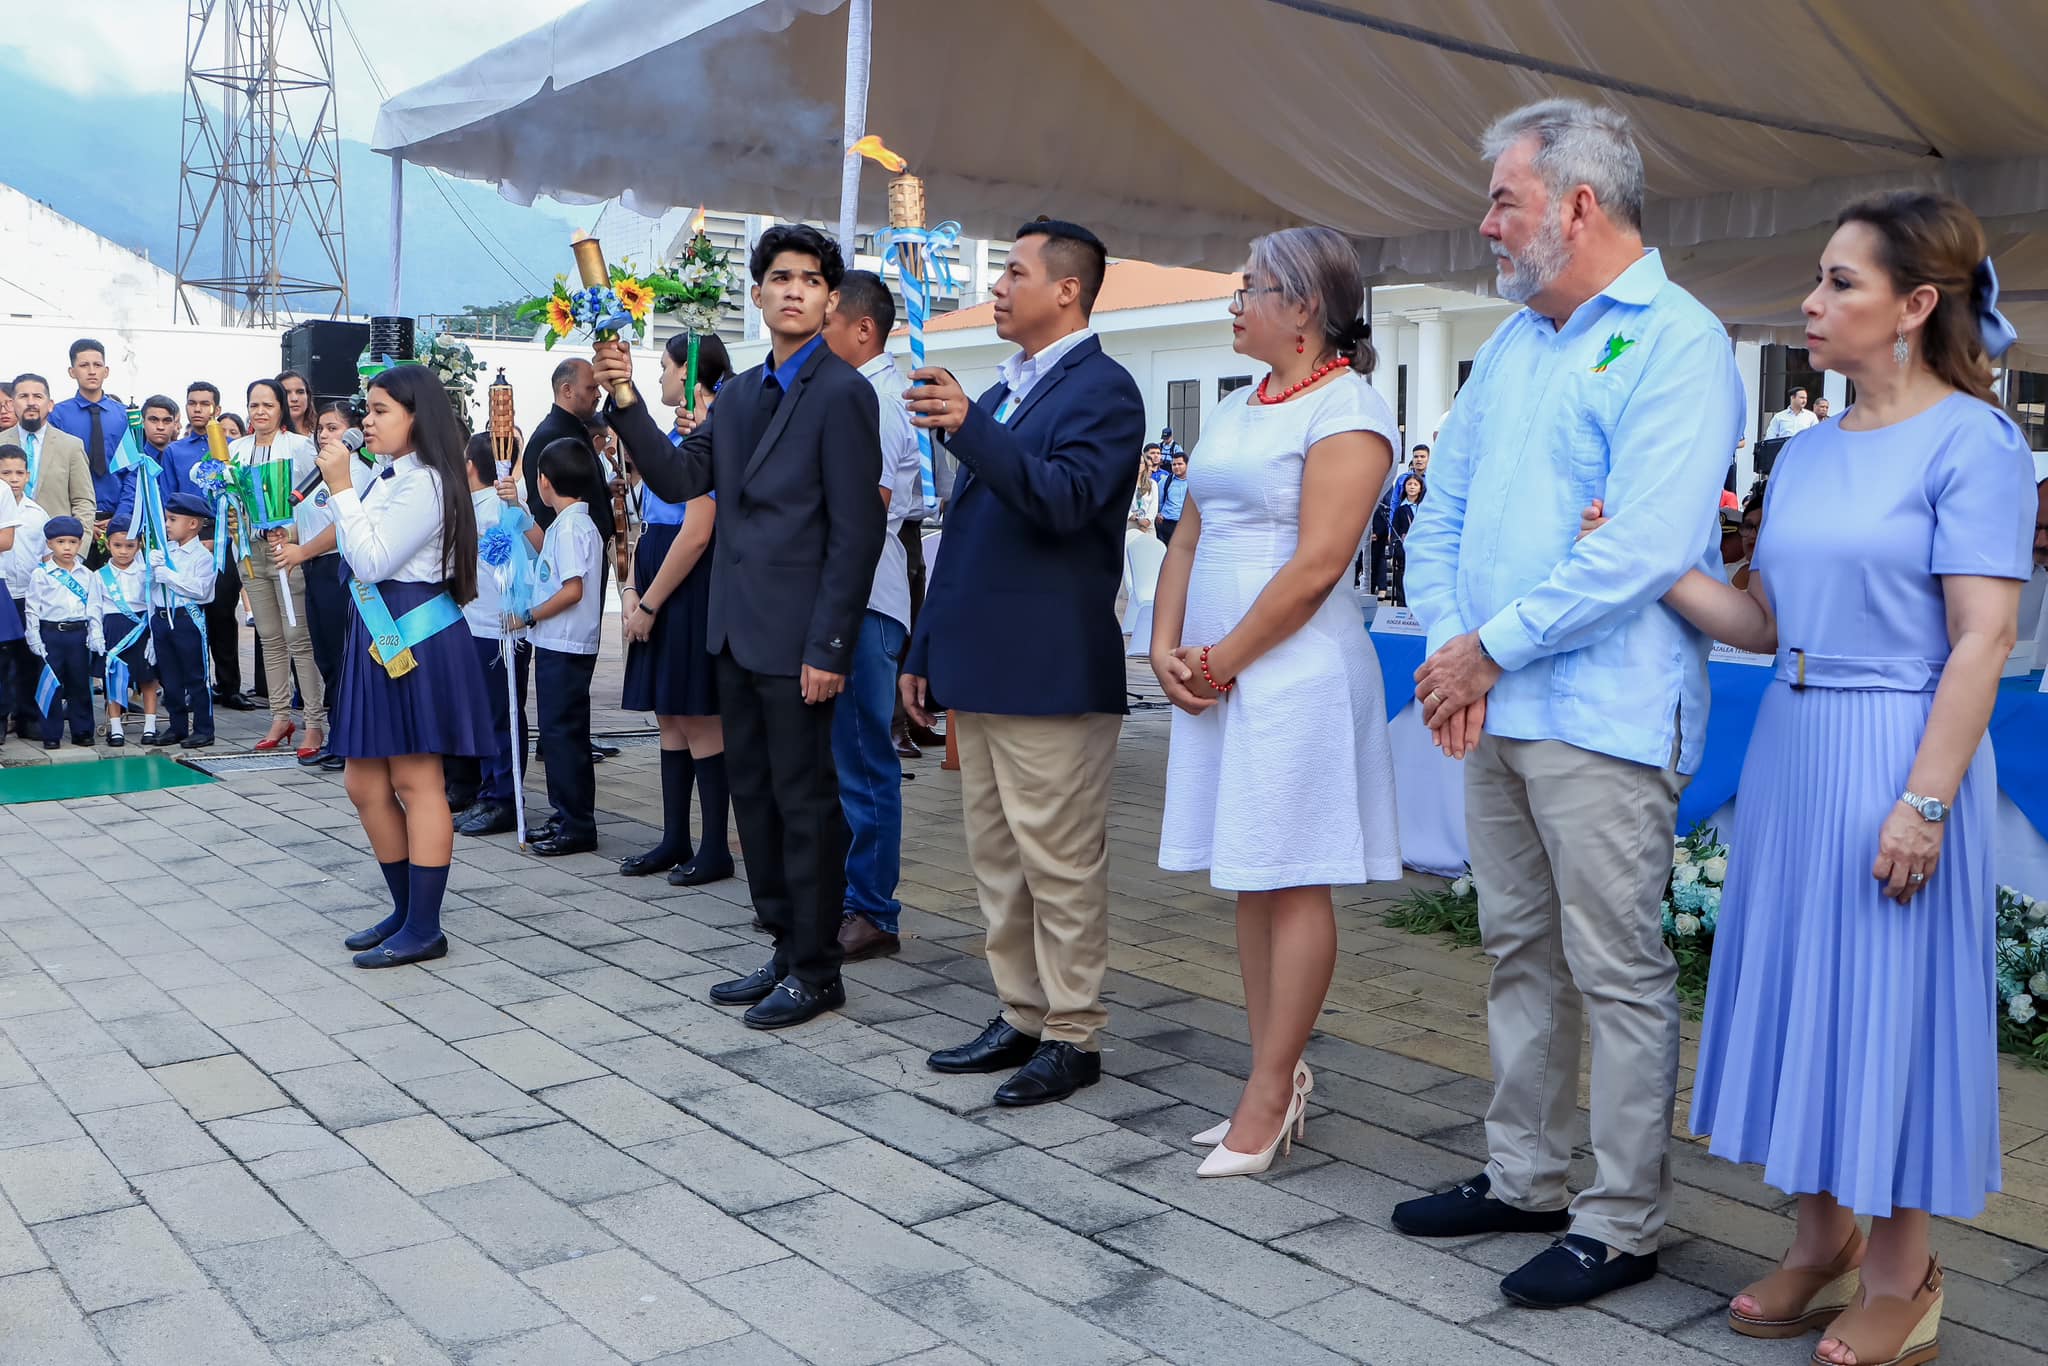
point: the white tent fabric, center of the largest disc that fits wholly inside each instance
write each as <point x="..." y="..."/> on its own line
<point x="1181" y="128"/>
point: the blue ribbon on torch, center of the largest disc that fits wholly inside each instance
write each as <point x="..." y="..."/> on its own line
<point x="917" y="292"/>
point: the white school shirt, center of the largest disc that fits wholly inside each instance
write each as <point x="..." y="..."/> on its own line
<point x="184" y="575"/>
<point x="1788" y="423"/>
<point x="484" y="614"/>
<point x="128" y="580"/>
<point x="29" y="546"/>
<point x="572" y="549"/>
<point x="903" y="476"/>
<point x="315" y="514"/>
<point x="391" y="527"/>
<point x="51" y="599"/>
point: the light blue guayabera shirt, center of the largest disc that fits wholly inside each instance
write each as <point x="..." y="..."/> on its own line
<point x="1635" y="401"/>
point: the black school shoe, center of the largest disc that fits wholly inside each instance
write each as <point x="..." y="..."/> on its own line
<point x="1056" y="1071"/>
<point x="793" y="1002"/>
<point x="1467" y="1208"/>
<point x="1574" y="1270"/>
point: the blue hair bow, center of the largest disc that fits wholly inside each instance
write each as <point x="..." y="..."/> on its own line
<point x="1998" y="334"/>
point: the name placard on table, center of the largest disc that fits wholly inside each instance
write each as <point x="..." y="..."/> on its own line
<point x="1728" y="654"/>
<point x="1395" y="621"/>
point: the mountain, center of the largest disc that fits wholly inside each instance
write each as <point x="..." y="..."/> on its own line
<point x="111" y="163"/>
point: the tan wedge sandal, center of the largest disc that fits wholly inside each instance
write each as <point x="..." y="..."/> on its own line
<point x="1889" y="1331"/>
<point x="1795" y="1300"/>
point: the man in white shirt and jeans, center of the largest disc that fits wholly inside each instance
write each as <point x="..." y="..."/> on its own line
<point x="870" y="772"/>
<point x="1793" y="420"/>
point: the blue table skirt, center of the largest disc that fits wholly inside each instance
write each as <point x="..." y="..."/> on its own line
<point x="2019" y="730"/>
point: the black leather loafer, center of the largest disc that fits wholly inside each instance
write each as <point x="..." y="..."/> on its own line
<point x="366" y="939"/>
<point x="197" y="742"/>
<point x="647" y="864"/>
<point x="699" y="871"/>
<point x="116" y="740"/>
<point x="1056" y="1071"/>
<point x="381" y="957"/>
<point x="555" y="846"/>
<point x="1574" y="1270"/>
<point x="793" y="1002"/>
<point x="997" y="1048"/>
<point x="487" y="818"/>
<point x="1467" y="1208"/>
<point x="744" y="991"/>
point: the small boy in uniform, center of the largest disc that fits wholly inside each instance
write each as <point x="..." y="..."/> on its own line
<point x="184" y="585"/>
<point x="63" y="631"/>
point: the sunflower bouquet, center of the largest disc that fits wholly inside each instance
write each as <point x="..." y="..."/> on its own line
<point x="601" y="311"/>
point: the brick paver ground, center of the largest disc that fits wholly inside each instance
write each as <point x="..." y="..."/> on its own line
<point x="219" y="1143"/>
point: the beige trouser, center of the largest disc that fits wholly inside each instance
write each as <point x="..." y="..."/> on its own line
<point x="285" y="648"/>
<point x="1035" y="793"/>
<point x="1570" y="853"/>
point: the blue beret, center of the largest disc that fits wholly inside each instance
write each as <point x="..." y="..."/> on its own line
<point x="191" y="504"/>
<point x="63" y="526"/>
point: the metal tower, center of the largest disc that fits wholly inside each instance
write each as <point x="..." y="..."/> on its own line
<point x="260" y="170"/>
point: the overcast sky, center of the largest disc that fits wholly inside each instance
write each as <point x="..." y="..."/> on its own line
<point x="139" y="45"/>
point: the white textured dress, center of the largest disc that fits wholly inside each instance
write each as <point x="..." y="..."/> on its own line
<point x="1288" y="781"/>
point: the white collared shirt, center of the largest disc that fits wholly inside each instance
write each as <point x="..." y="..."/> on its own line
<point x="29" y="547"/>
<point x="903" y="476"/>
<point x="391" y="527"/>
<point x="1022" y="373"/>
<point x="50" y="599"/>
<point x="485" y="612"/>
<point x="1789" y="423"/>
<point x="316" y="513"/>
<point x="128" y="582"/>
<point x="184" y="574"/>
<point x="572" y="549"/>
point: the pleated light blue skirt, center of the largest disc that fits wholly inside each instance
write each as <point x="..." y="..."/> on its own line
<point x="1849" y="1043"/>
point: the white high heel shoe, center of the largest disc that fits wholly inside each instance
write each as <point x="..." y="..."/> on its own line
<point x="1304" y="1085"/>
<point x="1222" y="1161"/>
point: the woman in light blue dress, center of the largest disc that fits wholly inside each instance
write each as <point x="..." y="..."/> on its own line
<point x="1849" y="1043"/>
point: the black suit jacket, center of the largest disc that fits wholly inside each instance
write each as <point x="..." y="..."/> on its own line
<point x="559" y="423"/>
<point x="799" y="524"/>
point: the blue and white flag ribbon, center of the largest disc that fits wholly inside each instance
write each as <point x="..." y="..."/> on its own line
<point x="935" y="267"/>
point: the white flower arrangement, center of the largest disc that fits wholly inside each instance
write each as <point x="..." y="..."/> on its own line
<point x="455" y="365"/>
<point x="2021" y="961"/>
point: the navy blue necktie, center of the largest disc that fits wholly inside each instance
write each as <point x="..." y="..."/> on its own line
<point x="95" y="443"/>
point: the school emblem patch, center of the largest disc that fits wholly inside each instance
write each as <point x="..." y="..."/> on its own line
<point x="545" y="571"/>
<point x="320" y="499"/>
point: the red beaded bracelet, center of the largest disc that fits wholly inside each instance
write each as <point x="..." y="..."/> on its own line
<point x="1218" y="688"/>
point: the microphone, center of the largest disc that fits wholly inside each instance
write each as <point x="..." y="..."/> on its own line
<point x="352" y="439"/>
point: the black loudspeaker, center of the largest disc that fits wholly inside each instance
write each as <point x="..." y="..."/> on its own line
<point x="325" y="352"/>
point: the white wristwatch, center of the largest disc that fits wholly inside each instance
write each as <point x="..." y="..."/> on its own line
<point x="1931" y="810"/>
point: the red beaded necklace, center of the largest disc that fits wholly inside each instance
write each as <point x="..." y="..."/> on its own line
<point x="1328" y="367"/>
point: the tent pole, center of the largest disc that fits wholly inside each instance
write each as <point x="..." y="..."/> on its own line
<point x="397" y="229"/>
<point x="859" y="34"/>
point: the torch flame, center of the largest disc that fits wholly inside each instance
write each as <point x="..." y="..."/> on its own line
<point x="871" y="147"/>
<point x="577" y="236"/>
<point x="697" y="221"/>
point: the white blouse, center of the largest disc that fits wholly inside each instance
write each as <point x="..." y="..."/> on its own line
<point x="391" y="529"/>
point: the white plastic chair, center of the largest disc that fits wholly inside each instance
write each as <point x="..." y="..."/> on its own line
<point x="1143" y="554"/>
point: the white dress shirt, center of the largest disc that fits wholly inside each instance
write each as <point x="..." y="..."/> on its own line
<point x="50" y="599"/>
<point x="903" y="476"/>
<point x="29" y="546"/>
<point x="572" y="549"/>
<point x="316" y="513"/>
<point x="128" y="582"/>
<point x="1789" y="423"/>
<point x="484" y="614"/>
<point x="1022" y="373"/>
<point x="391" y="527"/>
<point x="184" y="574"/>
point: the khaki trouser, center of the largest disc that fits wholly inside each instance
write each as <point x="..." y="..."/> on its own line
<point x="1570" y="853"/>
<point x="1035" y="795"/>
<point x="285" y="648"/>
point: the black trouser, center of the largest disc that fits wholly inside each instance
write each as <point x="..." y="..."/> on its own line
<point x="223" y="631"/>
<point x="64" y="650"/>
<point x="327" y="610"/>
<point x="1163" y="527"/>
<point x="912" y="536"/>
<point x="181" y="662"/>
<point x="562" y="681"/>
<point x="472" y="780"/>
<point x="785" y="796"/>
<point x="1398" y="562"/>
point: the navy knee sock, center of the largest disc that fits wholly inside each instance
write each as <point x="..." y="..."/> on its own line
<point x="423" y="909"/>
<point x="396" y="877"/>
<point x="714" y="796"/>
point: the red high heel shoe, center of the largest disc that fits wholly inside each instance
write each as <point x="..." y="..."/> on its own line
<point x="267" y="743"/>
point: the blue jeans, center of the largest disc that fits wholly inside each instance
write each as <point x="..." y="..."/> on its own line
<point x="870" y="774"/>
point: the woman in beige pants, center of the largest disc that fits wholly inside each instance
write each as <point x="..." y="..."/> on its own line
<point x="287" y="649"/>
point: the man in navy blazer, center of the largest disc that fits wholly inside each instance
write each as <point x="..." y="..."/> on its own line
<point x="1019" y="642"/>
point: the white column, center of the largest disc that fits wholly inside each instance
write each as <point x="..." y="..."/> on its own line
<point x="1429" y="386"/>
<point x="1386" y="345"/>
<point x="858" y="28"/>
<point x="750" y="317"/>
<point x="1749" y="364"/>
<point x="397" y="230"/>
<point x="1835" y="387"/>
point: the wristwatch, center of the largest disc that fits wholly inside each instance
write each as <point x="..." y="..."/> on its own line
<point x="1931" y="810"/>
<point x="530" y="618"/>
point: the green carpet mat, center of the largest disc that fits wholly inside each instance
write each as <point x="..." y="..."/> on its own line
<point x="101" y="778"/>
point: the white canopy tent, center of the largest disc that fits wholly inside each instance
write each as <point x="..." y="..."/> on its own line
<point x="1182" y="128"/>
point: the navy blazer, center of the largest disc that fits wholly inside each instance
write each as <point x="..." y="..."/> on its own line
<point x="799" y="525"/>
<point x="1020" y="616"/>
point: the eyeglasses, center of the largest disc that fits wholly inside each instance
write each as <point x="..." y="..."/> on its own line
<point x="1238" y="296"/>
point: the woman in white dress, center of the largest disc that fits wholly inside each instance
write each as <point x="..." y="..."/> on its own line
<point x="1279" y="781"/>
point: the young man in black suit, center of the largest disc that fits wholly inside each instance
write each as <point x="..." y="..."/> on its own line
<point x="794" y="452"/>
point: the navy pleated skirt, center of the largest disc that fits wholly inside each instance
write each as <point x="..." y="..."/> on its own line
<point x="10" y="620"/>
<point x="440" y="707"/>
<point x="669" y="673"/>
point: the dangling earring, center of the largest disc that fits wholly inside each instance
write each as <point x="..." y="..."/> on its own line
<point x="1900" y="351"/>
<point x="1300" y="344"/>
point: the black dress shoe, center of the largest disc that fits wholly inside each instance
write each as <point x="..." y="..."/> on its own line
<point x="997" y="1048"/>
<point x="554" y="846"/>
<point x="647" y="864"/>
<point x="1467" y="1208"/>
<point x="487" y="818"/>
<point x="163" y="739"/>
<point x="744" y="991"/>
<point x="233" y="702"/>
<point x="1056" y="1071"/>
<point x="197" y="742"/>
<point x="366" y="939"/>
<point x="387" y="958"/>
<point x="1574" y="1270"/>
<point x="116" y="740"/>
<point x="53" y="744"/>
<point x="792" y="1002"/>
<point x="603" y="752"/>
<point x="84" y="740"/>
<point x="331" y="762"/>
<point x="700" y="870"/>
